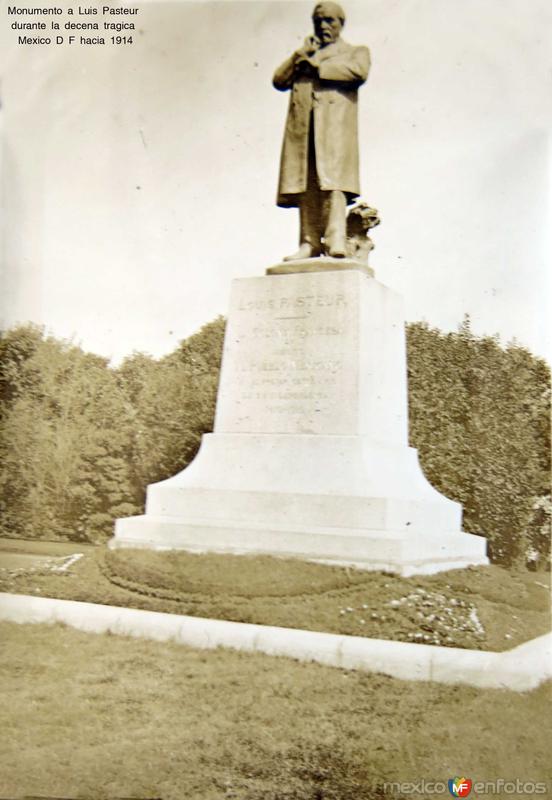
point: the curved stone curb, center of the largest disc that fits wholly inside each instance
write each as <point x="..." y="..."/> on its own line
<point x="520" y="669"/>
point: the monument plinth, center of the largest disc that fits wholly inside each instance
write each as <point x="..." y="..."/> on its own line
<point x="309" y="457"/>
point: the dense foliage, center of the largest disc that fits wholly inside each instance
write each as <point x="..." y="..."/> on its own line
<point x="80" y="441"/>
<point x="480" y="418"/>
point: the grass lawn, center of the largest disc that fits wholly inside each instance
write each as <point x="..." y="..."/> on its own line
<point x="85" y="715"/>
<point x="483" y="608"/>
<point x="41" y="547"/>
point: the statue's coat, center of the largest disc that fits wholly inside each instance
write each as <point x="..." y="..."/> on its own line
<point x="331" y="96"/>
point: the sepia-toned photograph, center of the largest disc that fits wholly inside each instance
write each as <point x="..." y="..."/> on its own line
<point x="275" y="399"/>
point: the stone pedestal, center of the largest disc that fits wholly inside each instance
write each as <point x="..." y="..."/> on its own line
<point x="309" y="457"/>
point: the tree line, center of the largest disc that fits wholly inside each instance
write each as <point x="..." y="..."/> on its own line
<point x="80" y="440"/>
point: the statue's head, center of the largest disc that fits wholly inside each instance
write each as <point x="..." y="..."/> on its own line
<point x="328" y="20"/>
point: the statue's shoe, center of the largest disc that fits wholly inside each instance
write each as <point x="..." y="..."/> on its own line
<point x="306" y="250"/>
<point x="336" y="248"/>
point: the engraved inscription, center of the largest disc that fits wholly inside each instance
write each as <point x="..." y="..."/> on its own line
<point x="299" y="302"/>
<point x="288" y="357"/>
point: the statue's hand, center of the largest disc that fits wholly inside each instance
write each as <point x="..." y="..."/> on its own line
<point x="308" y="48"/>
<point x="305" y="66"/>
<point x="305" y="56"/>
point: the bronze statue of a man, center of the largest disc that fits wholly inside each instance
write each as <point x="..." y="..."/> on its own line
<point x="319" y="164"/>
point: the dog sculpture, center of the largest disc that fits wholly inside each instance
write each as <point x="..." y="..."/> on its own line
<point x="360" y="219"/>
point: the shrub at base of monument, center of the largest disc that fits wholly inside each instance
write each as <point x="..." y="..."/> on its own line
<point x="488" y="608"/>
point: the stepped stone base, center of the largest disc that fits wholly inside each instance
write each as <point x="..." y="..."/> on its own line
<point x="332" y="499"/>
<point x="310" y="457"/>
<point x="383" y="551"/>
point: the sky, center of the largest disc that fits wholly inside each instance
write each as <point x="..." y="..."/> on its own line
<point x="139" y="180"/>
